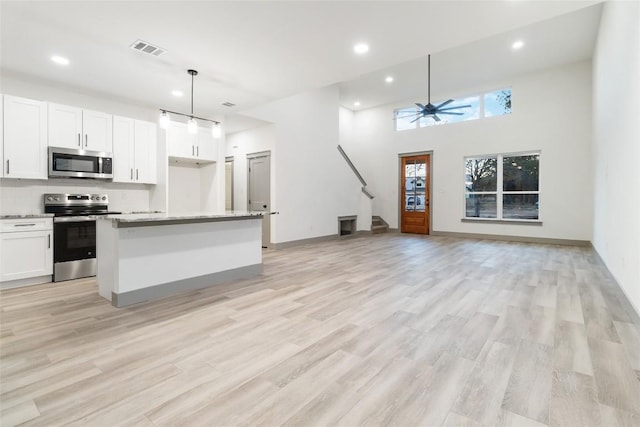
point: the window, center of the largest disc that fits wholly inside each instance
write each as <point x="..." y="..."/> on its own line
<point x="488" y="104"/>
<point x="504" y="186"/>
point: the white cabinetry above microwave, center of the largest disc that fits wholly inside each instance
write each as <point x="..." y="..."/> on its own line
<point x="73" y="127"/>
<point x="184" y="146"/>
<point x="25" y="138"/>
<point x="134" y="151"/>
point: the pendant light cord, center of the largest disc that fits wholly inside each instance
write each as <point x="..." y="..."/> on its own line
<point x="428" y="81"/>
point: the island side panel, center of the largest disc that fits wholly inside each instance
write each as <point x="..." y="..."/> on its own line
<point x="164" y="259"/>
<point x="106" y="254"/>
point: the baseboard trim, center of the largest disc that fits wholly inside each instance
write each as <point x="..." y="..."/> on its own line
<point x="172" y="288"/>
<point x="631" y="308"/>
<point x="11" y="284"/>
<point x="521" y="239"/>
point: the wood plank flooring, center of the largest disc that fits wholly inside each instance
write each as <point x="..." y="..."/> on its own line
<point x="389" y="329"/>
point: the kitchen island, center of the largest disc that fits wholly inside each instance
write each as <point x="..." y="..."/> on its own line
<point x="147" y="256"/>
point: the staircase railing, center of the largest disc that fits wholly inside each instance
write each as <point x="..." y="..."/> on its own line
<point x="355" y="171"/>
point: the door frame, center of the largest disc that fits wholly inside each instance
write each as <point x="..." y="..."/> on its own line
<point x="230" y="159"/>
<point x="401" y="196"/>
<point x="267" y="217"/>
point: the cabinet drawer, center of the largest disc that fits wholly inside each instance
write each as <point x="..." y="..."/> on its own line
<point x="25" y="224"/>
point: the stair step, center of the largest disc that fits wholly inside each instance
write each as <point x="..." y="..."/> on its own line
<point x="376" y="229"/>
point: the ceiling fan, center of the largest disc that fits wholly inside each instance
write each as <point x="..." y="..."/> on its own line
<point x="431" y="110"/>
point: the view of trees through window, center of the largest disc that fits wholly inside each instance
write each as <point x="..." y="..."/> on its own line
<point x="502" y="187"/>
<point x="489" y="104"/>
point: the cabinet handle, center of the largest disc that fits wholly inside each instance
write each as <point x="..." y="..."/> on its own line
<point x="48" y="241"/>
<point x="136" y="174"/>
<point x="24" y="225"/>
<point x="79" y="142"/>
<point x="131" y="174"/>
<point x="193" y="150"/>
<point x="7" y="166"/>
<point x="198" y="151"/>
<point x="86" y="140"/>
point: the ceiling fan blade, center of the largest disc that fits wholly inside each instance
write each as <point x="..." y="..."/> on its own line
<point x="451" y="112"/>
<point x="420" y="106"/>
<point x="444" y="103"/>
<point x="436" y="118"/>
<point x="416" y="119"/>
<point x="454" y="107"/>
<point x="411" y="115"/>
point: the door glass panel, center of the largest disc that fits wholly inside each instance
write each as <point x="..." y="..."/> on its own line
<point x="415" y="186"/>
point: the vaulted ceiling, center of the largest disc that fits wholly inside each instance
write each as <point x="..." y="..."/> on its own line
<point x="252" y="52"/>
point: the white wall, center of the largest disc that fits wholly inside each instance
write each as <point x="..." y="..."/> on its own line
<point x="551" y="113"/>
<point x="25" y="196"/>
<point x="313" y="184"/>
<point x="616" y="144"/>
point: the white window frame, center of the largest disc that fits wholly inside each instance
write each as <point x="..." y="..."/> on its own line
<point x="499" y="187"/>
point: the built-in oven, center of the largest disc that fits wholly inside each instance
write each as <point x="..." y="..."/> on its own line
<point x="71" y="163"/>
<point x="74" y="233"/>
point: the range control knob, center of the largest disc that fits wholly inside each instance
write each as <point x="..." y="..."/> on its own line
<point x="104" y="197"/>
<point x="49" y="198"/>
<point x="57" y="199"/>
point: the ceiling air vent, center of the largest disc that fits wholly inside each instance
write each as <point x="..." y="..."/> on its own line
<point x="144" y="47"/>
<point x="228" y="104"/>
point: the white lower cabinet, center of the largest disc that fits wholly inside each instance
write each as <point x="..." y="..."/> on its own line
<point x="26" y="249"/>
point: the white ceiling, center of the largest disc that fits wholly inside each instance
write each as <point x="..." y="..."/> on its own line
<point x="252" y="52"/>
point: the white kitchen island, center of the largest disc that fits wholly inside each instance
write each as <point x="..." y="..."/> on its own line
<point x="147" y="256"/>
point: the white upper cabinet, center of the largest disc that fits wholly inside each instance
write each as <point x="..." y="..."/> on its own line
<point x="1" y="137"/>
<point x="183" y="146"/>
<point x="73" y="127"/>
<point x="25" y="138"/>
<point x="134" y="151"/>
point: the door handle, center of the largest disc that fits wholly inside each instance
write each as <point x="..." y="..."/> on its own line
<point x="48" y="241"/>
<point x="193" y="150"/>
<point x="7" y="166"/>
<point x="131" y="174"/>
<point x="136" y="174"/>
<point x="79" y="142"/>
<point x="198" y="151"/>
<point x="86" y="140"/>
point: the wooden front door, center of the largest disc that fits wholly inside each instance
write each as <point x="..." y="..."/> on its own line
<point x="416" y="173"/>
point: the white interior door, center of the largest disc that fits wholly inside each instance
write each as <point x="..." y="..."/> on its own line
<point x="259" y="198"/>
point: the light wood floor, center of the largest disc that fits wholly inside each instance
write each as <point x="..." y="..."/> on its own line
<point x="384" y="330"/>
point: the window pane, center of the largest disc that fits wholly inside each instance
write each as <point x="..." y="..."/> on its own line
<point x="481" y="174"/>
<point x="520" y="173"/>
<point x="469" y="113"/>
<point x="520" y="206"/>
<point x="481" y="206"/>
<point x="404" y="117"/>
<point x="497" y="103"/>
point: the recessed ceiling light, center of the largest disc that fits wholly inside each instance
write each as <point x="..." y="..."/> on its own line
<point x="388" y="79"/>
<point x="361" y="48"/>
<point x="517" y="45"/>
<point x="177" y="93"/>
<point x="356" y="104"/>
<point x="60" y="60"/>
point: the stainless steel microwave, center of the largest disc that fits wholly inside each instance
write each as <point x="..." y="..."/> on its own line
<point x="71" y="163"/>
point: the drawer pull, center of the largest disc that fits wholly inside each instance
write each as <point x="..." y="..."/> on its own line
<point x="24" y="225"/>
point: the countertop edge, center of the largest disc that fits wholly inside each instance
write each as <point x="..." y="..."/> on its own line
<point x="149" y="222"/>
<point x="27" y="216"/>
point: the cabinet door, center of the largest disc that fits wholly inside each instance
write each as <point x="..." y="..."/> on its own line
<point x="145" y="152"/>
<point x="65" y="126"/>
<point x="97" y="128"/>
<point x="25" y="138"/>
<point x="207" y="145"/>
<point x="1" y="136"/>
<point x="123" y="149"/>
<point x="25" y="254"/>
<point x="180" y="143"/>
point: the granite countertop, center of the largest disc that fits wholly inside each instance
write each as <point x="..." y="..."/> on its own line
<point x="20" y="216"/>
<point x="166" y="218"/>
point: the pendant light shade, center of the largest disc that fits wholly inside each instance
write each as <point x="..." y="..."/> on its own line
<point x="216" y="130"/>
<point x="164" y="120"/>
<point x="192" y="126"/>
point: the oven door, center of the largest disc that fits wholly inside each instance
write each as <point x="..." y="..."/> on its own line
<point x="74" y="240"/>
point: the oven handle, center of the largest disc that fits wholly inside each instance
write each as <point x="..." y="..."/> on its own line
<point x="72" y="219"/>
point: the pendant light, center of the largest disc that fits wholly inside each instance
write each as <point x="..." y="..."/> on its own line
<point x="192" y="124"/>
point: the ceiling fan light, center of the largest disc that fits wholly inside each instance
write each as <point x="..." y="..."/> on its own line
<point x="216" y="130"/>
<point x="164" y="120"/>
<point x="192" y="126"/>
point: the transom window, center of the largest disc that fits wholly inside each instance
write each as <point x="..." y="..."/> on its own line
<point x="503" y="186"/>
<point x="488" y="104"/>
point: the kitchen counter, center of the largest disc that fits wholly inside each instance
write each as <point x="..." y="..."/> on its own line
<point x="162" y="218"/>
<point x="20" y="216"/>
<point x="155" y="255"/>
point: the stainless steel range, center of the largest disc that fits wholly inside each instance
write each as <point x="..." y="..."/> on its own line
<point x="74" y="232"/>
